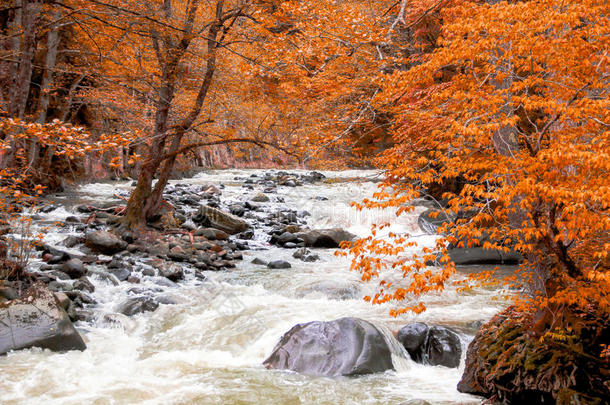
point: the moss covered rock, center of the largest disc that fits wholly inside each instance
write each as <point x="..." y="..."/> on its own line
<point x="507" y="361"/>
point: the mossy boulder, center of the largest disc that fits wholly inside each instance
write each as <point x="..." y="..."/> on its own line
<point x="509" y="361"/>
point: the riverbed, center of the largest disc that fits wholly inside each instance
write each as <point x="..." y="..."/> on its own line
<point x="208" y="347"/>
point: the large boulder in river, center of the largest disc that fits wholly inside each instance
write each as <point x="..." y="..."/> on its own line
<point x="37" y="320"/>
<point x="214" y="218"/>
<point x="436" y="345"/>
<point x="344" y="347"/>
<point x="414" y="338"/>
<point x="444" y="347"/>
<point x="326" y="238"/>
<point x="105" y="242"/>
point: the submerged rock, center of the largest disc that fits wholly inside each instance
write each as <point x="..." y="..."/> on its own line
<point x="37" y="320"/>
<point x="332" y="289"/>
<point x="343" y="347"/>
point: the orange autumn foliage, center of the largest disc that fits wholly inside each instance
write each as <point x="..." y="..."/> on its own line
<point x="514" y="102"/>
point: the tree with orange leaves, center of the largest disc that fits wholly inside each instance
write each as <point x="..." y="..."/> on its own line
<point x="513" y="103"/>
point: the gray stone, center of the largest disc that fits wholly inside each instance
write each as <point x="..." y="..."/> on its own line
<point x="430" y="220"/>
<point x="63" y="300"/>
<point x="74" y="268"/>
<point x="326" y="238"/>
<point x="215" y="218"/>
<point x="414" y="338"/>
<point x="121" y="274"/>
<point x="83" y="284"/>
<point x="211" y="234"/>
<point x="8" y="293"/>
<point x="138" y="305"/>
<point x="344" y="347"/>
<point x="260" y="198"/>
<point x="478" y="255"/>
<point x="105" y="242"/>
<point x="172" y="272"/>
<point x="444" y="347"/>
<point x="259" y="261"/>
<point x="37" y="320"/>
<point x="279" y="264"/>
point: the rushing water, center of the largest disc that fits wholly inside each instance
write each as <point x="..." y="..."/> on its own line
<point x="209" y="346"/>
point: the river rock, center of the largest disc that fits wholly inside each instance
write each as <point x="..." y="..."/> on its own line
<point x="37" y="320"/>
<point x="121" y="274"/>
<point x="332" y="289"/>
<point x="326" y="238"/>
<point x="305" y="255"/>
<point x="138" y="305"/>
<point x="343" y="347"/>
<point x="71" y="241"/>
<point x="74" y="268"/>
<point x="211" y="234"/>
<point x="83" y="284"/>
<point x="444" y="347"/>
<point x="8" y="293"/>
<point x="414" y="338"/>
<point x="215" y="218"/>
<point x="436" y="345"/>
<point x="105" y="242"/>
<point x="63" y="300"/>
<point x="172" y="272"/>
<point x="279" y="264"/>
<point x="478" y="255"/>
<point x="259" y="261"/>
<point x="260" y="198"/>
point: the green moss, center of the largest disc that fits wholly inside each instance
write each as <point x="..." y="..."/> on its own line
<point x="514" y="364"/>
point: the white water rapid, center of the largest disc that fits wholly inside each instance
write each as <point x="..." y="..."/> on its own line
<point x="209" y="346"/>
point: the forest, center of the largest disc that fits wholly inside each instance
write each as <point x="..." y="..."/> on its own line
<point x="305" y="202"/>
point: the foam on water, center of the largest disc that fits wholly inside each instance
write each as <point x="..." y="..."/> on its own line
<point x="208" y="348"/>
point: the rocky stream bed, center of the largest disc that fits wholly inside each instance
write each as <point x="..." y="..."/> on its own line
<point x="242" y="301"/>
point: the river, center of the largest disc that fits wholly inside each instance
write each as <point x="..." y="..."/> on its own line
<point x="209" y="346"/>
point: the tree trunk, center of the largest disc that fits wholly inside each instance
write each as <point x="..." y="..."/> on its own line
<point x="21" y="85"/>
<point x="145" y="201"/>
<point x="50" y="60"/>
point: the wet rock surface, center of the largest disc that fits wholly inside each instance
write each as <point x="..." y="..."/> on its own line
<point x="210" y="235"/>
<point x="37" y="319"/>
<point x="434" y="345"/>
<point x="344" y="347"/>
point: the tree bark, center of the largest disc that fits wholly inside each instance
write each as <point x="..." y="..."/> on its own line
<point x="50" y="60"/>
<point x="142" y="203"/>
<point x="30" y="10"/>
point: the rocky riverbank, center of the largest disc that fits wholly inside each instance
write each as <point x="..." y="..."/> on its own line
<point x="107" y="279"/>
